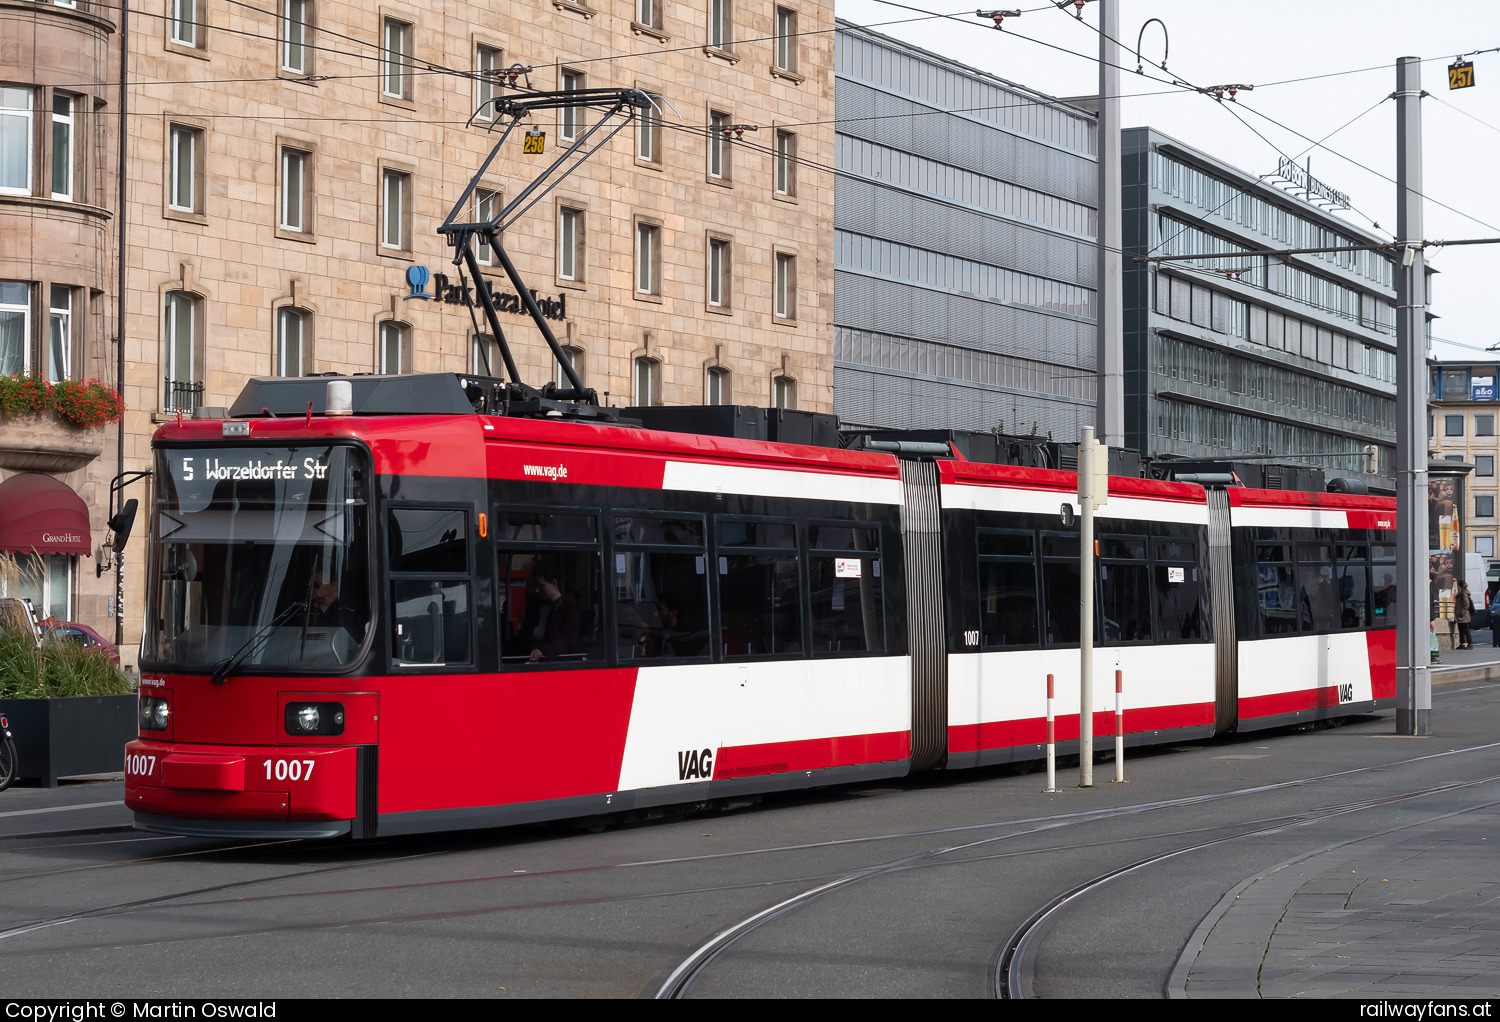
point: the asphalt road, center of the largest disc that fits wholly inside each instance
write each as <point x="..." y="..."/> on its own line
<point x="901" y="889"/>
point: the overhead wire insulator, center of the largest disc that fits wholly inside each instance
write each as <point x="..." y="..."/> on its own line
<point x="997" y="16"/>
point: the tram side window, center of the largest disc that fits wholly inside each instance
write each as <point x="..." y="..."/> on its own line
<point x="1124" y="590"/>
<point x="1008" y="596"/>
<point x="1060" y="584"/>
<point x="660" y="587"/>
<point x="843" y="568"/>
<point x="760" y="588"/>
<point x="1275" y="590"/>
<point x="550" y="588"/>
<point x="1354" y="585"/>
<point x="1317" y="594"/>
<point x="1181" y="596"/>
<point x="1383" y="581"/>
<point x="431" y="613"/>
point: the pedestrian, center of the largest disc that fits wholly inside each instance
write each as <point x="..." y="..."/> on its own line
<point x="1463" y="613"/>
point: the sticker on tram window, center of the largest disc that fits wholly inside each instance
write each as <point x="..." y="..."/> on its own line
<point x="846" y="567"/>
<point x="288" y="769"/>
<point x="1176" y="574"/>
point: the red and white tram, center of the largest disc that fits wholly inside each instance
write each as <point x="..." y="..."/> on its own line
<point x="423" y="616"/>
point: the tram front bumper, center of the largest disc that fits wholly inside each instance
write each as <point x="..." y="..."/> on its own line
<point x="222" y="782"/>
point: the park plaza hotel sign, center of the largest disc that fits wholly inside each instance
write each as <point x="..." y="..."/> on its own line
<point x="461" y="292"/>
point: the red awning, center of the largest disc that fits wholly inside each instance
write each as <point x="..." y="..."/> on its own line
<point x="39" y="514"/>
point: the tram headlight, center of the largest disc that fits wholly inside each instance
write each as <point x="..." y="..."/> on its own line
<point x="154" y="713"/>
<point x="305" y="720"/>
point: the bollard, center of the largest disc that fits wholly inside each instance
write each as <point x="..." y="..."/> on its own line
<point x="1051" y="741"/>
<point x="1119" y="725"/>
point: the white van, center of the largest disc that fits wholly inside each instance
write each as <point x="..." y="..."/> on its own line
<point x="1476" y="572"/>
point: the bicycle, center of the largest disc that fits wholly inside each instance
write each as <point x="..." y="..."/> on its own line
<point x="7" y="755"/>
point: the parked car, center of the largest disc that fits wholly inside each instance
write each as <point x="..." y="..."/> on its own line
<point x="16" y="615"/>
<point x="56" y="633"/>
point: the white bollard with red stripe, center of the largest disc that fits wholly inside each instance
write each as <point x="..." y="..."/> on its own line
<point x="1119" y="725"/>
<point x="1051" y="741"/>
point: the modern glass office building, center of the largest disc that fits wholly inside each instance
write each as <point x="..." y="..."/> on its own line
<point x="964" y="276"/>
<point x="1235" y="355"/>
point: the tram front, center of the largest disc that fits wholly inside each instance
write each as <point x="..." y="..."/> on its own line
<point x="254" y="718"/>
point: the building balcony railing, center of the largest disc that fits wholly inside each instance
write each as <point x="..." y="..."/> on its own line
<point x="183" y="395"/>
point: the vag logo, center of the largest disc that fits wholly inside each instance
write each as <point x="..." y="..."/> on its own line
<point x="695" y="764"/>
<point x="1346" y="693"/>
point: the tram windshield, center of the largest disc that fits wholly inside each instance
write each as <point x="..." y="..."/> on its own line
<point x="260" y="558"/>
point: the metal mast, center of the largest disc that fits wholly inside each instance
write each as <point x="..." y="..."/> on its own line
<point x="1413" y="676"/>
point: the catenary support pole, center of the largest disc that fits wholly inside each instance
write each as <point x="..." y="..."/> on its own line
<point x="1413" y="626"/>
<point x="1110" y="338"/>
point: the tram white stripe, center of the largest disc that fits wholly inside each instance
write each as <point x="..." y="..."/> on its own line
<point x="704" y="477"/>
<point x="1049" y="502"/>
<point x="1289" y="517"/>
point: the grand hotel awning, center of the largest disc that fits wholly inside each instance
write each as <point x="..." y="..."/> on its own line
<point x="40" y="514"/>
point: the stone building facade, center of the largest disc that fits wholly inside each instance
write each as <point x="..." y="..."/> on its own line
<point x="58" y="273"/>
<point x="288" y="162"/>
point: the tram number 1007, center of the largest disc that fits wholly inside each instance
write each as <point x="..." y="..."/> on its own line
<point x="289" y="769"/>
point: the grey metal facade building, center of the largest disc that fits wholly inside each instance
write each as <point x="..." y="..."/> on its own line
<point x="964" y="269"/>
<point x="1243" y="355"/>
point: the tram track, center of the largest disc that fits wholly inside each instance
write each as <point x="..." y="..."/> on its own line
<point x="822" y="882"/>
<point x="680" y="980"/>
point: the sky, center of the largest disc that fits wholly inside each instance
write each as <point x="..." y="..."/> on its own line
<point x="1353" y="44"/>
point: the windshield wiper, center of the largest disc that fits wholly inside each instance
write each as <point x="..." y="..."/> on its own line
<point x="228" y="664"/>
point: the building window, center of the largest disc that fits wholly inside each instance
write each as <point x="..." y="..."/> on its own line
<point x="718" y="25"/>
<point x="296" y="187"/>
<point x="648" y="135"/>
<point x="486" y="62"/>
<point x="292" y="339"/>
<point x="1484" y="425"/>
<point x="786" y="39"/>
<point x="574" y="355"/>
<point x="62" y="146"/>
<point x="184" y="23"/>
<point x="183" y="388"/>
<point x="395" y="82"/>
<point x="295" y="21"/>
<point x="15" y="141"/>
<point x="486" y="205"/>
<point x="395" y="195"/>
<point x="484" y="355"/>
<point x="784" y="392"/>
<point x="1453" y="425"/>
<point x="183" y="193"/>
<point x="570" y="251"/>
<point x="718" y="273"/>
<point x="786" y="155"/>
<point x="60" y="334"/>
<point x="1484" y="507"/>
<point x="718" y="146"/>
<point x="570" y="118"/>
<point x="647" y="259"/>
<point x="15" y="327"/>
<point x="46" y="581"/>
<point x="648" y="13"/>
<point x="716" y="386"/>
<point x="395" y="348"/>
<point x="786" y="286"/>
<point x="647" y="381"/>
<point x="1484" y="466"/>
<point x="1484" y="546"/>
